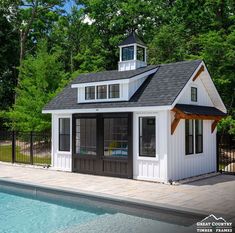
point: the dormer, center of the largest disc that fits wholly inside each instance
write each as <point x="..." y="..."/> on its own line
<point x="132" y="53"/>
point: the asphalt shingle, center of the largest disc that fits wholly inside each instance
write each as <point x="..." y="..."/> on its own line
<point x="159" y="89"/>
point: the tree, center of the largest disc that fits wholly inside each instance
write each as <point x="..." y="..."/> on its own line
<point x="9" y="50"/>
<point x="41" y="76"/>
<point x="168" y="45"/>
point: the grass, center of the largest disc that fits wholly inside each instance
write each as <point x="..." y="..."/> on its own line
<point x="6" y="156"/>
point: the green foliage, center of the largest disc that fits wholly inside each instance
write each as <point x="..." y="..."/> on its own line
<point x="40" y="77"/>
<point x="88" y="36"/>
<point x="168" y="45"/>
<point x="8" y="57"/>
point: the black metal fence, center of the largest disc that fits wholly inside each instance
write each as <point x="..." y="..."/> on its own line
<point x="25" y="147"/>
<point x="226" y="153"/>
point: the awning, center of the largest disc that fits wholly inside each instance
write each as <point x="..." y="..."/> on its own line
<point x="187" y="111"/>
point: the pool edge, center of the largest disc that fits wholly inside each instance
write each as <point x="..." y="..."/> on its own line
<point x="102" y="197"/>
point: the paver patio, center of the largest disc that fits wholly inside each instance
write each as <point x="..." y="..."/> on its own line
<point x="214" y="195"/>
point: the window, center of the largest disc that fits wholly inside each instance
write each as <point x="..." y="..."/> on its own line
<point x="64" y="134"/>
<point x="102" y="92"/>
<point x="86" y="136"/>
<point x="147" y="136"/>
<point x="199" y="136"/>
<point x="194" y="94"/>
<point x="114" y="91"/>
<point x="90" y="93"/>
<point x="191" y="134"/>
<point x="140" y="53"/>
<point x="128" y="53"/>
<point x="189" y="131"/>
<point x="116" y="137"/>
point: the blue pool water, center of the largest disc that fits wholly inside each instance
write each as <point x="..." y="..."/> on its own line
<point x="24" y="215"/>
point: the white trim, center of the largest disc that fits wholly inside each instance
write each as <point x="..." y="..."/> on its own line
<point x="127" y="45"/>
<point x="146" y="158"/>
<point x="58" y="134"/>
<point x="102" y="110"/>
<point x="221" y="101"/>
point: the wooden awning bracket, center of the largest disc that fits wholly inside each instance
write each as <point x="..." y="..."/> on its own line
<point x="198" y="73"/>
<point x="214" y="124"/>
<point x="174" y="124"/>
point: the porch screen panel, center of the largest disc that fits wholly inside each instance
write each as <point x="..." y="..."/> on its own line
<point x="189" y="131"/>
<point x="116" y="137"/>
<point x="199" y="136"/>
<point x="86" y="136"/>
<point x="147" y="136"/>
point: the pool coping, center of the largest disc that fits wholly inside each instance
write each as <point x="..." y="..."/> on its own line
<point x="102" y="197"/>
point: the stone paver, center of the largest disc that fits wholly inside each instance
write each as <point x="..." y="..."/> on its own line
<point x="211" y="195"/>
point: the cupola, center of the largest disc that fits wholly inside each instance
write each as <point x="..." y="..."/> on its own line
<point x="132" y="53"/>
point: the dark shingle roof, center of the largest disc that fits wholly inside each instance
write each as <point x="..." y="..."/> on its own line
<point x="159" y="89"/>
<point x="132" y="39"/>
<point x="199" y="110"/>
<point x="111" y="75"/>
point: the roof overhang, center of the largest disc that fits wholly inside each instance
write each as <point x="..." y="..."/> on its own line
<point x="186" y="111"/>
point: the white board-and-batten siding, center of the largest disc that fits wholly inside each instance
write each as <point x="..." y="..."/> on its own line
<point x="151" y="168"/>
<point x="180" y="165"/>
<point x="61" y="160"/>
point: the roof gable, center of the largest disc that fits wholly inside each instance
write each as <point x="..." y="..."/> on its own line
<point x="207" y="92"/>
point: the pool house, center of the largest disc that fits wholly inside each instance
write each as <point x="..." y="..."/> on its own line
<point x="147" y="122"/>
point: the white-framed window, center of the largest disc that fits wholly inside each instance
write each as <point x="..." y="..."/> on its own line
<point x="64" y="134"/>
<point x="147" y="136"/>
<point x="128" y="53"/>
<point x="108" y="92"/>
<point x="90" y="93"/>
<point x="114" y="91"/>
<point x="193" y="136"/>
<point x="101" y="92"/>
<point x="193" y="94"/>
<point x="140" y="53"/>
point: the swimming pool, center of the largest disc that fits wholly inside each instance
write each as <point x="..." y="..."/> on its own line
<point x="24" y="214"/>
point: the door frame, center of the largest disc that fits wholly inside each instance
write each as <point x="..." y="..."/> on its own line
<point x="100" y="161"/>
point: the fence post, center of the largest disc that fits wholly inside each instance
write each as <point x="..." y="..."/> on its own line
<point x="31" y="147"/>
<point x="13" y="146"/>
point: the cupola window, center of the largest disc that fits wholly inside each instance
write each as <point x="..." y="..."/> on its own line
<point x="127" y="53"/>
<point x="140" y="53"/>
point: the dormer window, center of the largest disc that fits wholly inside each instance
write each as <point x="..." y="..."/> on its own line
<point x="140" y="53"/>
<point x="90" y="93"/>
<point x="102" y="92"/>
<point x="127" y="53"/>
<point x="114" y="91"/>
